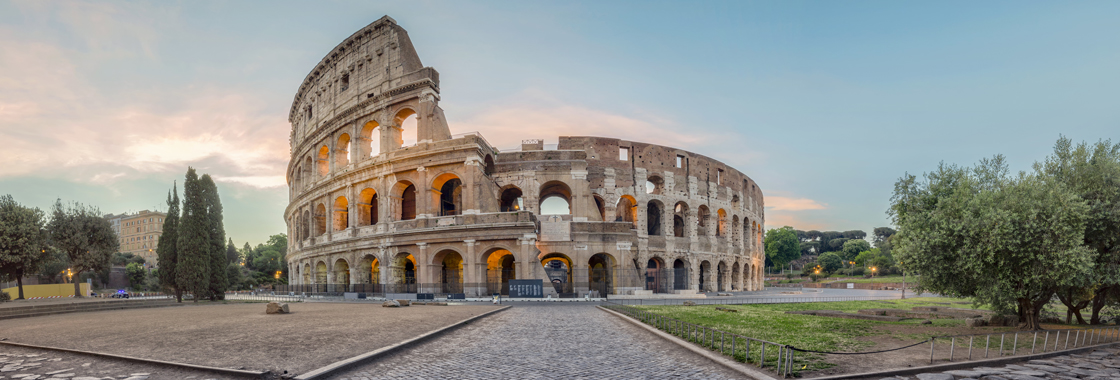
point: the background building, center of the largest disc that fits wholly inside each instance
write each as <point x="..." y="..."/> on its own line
<point x="139" y="234"/>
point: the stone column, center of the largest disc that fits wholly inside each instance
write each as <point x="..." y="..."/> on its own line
<point x="423" y="268"/>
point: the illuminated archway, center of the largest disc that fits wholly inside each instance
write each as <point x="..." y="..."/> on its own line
<point x="558" y="269"/>
<point x="501" y="267"/>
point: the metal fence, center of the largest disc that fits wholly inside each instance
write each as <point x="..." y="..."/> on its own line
<point x="740" y="348"/>
<point x="1037" y="341"/>
<point x="746" y="301"/>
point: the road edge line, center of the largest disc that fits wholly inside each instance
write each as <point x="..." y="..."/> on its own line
<point x="225" y="371"/>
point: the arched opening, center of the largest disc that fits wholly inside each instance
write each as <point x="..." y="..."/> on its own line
<point x="736" y="284"/>
<point x="500" y="268"/>
<point x="555" y="198"/>
<point x="599" y="274"/>
<point x="705" y="280"/>
<point x="702" y="220"/>
<point x="655" y="278"/>
<point x="735" y="233"/>
<point x="655" y="185"/>
<point x="306" y="167"/>
<point x="450" y="194"/>
<point x="601" y="206"/>
<point x="321" y="273"/>
<point x="653" y="218"/>
<point x="324" y="160"/>
<point x="403" y="271"/>
<point x="367" y="207"/>
<point x="511" y="200"/>
<point x="451" y="271"/>
<point x="306" y="224"/>
<point x="406" y="119"/>
<point x="721" y="276"/>
<point x="370" y="271"/>
<point x="407" y="196"/>
<point x="342" y="151"/>
<point x="721" y="229"/>
<point x="320" y="219"/>
<point x="747" y="242"/>
<point x="680" y="215"/>
<point x="488" y="165"/>
<point x="627" y="210"/>
<point x="306" y="274"/>
<point x="341" y="276"/>
<point x="369" y="143"/>
<point x="341" y="217"/>
<point x="558" y="268"/>
<point x="680" y="275"/>
<point x="297" y="181"/>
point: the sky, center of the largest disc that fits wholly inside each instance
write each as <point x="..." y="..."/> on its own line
<point x="824" y="104"/>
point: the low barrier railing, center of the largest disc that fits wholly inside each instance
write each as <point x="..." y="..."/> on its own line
<point x="746" y="301"/>
<point x="741" y="348"/>
<point x="1051" y="341"/>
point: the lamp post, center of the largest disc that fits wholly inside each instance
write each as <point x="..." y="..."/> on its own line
<point x="873" y="269"/>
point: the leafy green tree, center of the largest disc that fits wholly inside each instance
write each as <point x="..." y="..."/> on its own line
<point x="782" y="246"/>
<point x="248" y="255"/>
<point x="810" y="247"/>
<point x="232" y="256"/>
<point x="812" y="235"/>
<point x="1007" y="242"/>
<point x="837" y="244"/>
<point x="855" y="234"/>
<point x="1092" y="172"/>
<point x="168" y="250"/>
<point x="268" y="261"/>
<point x="233" y="273"/>
<point x="22" y="240"/>
<point x="865" y="257"/>
<point x="87" y="239"/>
<point x="830" y="262"/>
<point x="881" y="234"/>
<point x="54" y="265"/>
<point x="136" y="275"/>
<point x="217" y="233"/>
<point x="853" y="247"/>
<point x="193" y="269"/>
<point x="123" y="259"/>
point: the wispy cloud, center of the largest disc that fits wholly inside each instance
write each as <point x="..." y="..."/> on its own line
<point x="778" y="203"/>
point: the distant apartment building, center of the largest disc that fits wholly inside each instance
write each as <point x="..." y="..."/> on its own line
<point x="139" y="234"/>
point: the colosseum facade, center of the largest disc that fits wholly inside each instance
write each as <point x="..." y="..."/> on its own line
<point x="451" y="213"/>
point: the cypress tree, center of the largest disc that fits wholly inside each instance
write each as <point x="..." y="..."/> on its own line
<point x="193" y="270"/>
<point x="167" y="250"/>
<point x="218" y="277"/>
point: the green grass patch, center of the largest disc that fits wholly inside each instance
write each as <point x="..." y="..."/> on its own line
<point x="882" y="279"/>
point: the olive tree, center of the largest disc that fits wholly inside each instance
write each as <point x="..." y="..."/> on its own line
<point x="84" y="236"/>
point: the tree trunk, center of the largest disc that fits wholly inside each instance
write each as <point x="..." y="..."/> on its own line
<point x="1099" y="298"/>
<point x="1071" y="308"/>
<point x="178" y="295"/>
<point x="19" y="281"/>
<point x="1032" y="311"/>
<point x="77" y="287"/>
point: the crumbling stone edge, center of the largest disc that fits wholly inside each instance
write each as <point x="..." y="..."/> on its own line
<point x="219" y="370"/>
<point x="710" y="355"/>
<point x="325" y="371"/>
<point x="962" y="364"/>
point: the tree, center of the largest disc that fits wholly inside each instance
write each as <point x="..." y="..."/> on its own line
<point x="1007" y="242"/>
<point x="247" y="255"/>
<point x="865" y="257"/>
<point x="232" y="256"/>
<point x="87" y="239"/>
<point x="810" y="247"/>
<point x="168" y="250"/>
<point x="853" y="247"/>
<point x="1092" y="172"/>
<point x="22" y="240"/>
<point x="782" y="246"/>
<point x="881" y="234"/>
<point x="830" y="261"/>
<point x="193" y="269"/>
<point x="855" y="234"/>
<point x="217" y="233"/>
<point x="136" y="275"/>
<point x="837" y="244"/>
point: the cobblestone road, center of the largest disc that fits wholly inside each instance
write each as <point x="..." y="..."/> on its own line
<point x="544" y="341"/>
<point x="1100" y="364"/>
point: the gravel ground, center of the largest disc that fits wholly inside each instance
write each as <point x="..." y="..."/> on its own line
<point x="239" y="335"/>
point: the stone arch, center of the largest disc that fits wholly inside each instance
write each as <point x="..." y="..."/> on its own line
<point x="306" y="274"/>
<point x="510" y="199"/>
<point x="655" y="275"/>
<point x="653" y="217"/>
<point x="600" y="273"/>
<point x="369" y="140"/>
<point x="306" y="168"/>
<point x="705" y="277"/>
<point x="306" y="224"/>
<point x="736" y="278"/>
<point x="655" y="185"/>
<point x="340" y="215"/>
<point x="558" y="191"/>
<point x="558" y="270"/>
<point x="680" y="217"/>
<point x="324" y="161"/>
<point x="702" y="215"/>
<point x="342" y="151"/>
<point x="404" y="192"/>
<point x="341" y="272"/>
<point x="320" y="219"/>
<point x="627" y="210"/>
<point x="721" y="222"/>
<point x="402" y="270"/>
<point x="370" y="270"/>
<point x="449" y="190"/>
<point x="407" y="117"/>
<point x="488" y="165"/>
<point x="321" y="273"/>
<point x="721" y="276"/>
<point x="451" y="266"/>
<point x="501" y="266"/>
<point x="601" y="205"/>
<point x="680" y="274"/>
<point x="367" y="207"/>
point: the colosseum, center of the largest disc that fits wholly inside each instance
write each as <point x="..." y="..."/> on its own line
<point x="381" y="204"/>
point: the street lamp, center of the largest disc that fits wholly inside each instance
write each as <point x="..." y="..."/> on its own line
<point x="873" y="269"/>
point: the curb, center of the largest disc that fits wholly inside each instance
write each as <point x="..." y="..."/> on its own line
<point x="718" y="358"/>
<point x="332" y="368"/>
<point x="961" y="365"/>
<point x="224" y="371"/>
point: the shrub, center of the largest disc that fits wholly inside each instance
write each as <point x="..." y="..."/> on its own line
<point x="858" y="272"/>
<point x="4" y="296"/>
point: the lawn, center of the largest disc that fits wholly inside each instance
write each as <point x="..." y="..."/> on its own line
<point x="770" y="322"/>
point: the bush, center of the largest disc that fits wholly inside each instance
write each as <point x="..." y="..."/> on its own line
<point x="789" y="276"/>
<point x="858" y="272"/>
<point x="815" y="277"/>
<point x="4" y="296"/>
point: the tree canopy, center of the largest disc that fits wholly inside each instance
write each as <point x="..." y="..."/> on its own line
<point x="22" y="240"/>
<point x="87" y="239"/>
<point x="782" y="246"/>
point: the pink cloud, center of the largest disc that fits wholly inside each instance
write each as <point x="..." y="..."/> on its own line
<point x="778" y="203"/>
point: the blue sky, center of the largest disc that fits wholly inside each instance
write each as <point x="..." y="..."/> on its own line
<point x="824" y="104"/>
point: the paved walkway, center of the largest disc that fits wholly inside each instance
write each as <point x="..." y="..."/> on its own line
<point x="1099" y="364"/>
<point x="544" y="341"/>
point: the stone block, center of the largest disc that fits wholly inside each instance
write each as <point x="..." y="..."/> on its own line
<point x="404" y="302"/>
<point x="276" y="308"/>
<point x="975" y="322"/>
<point x="390" y="303"/>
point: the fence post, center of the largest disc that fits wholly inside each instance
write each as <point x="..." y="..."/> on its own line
<point x="1067" y="340"/>
<point x="789" y="361"/>
<point x="1045" y="341"/>
<point x="778" y="363"/>
<point x="1001" y="337"/>
<point x="970" y="348"/>
<point x="987" y="343"/>
<point x="762" y="357"/>
<point x="1034" y="341"/>
<point x="952" y="347"/>
<point x="931" y="350"/>
<point x="1015" y="344"/>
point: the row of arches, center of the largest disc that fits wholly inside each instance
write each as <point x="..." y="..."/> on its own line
<point x="662" y="278"/>
<point x="627" y="211"/>
<point x="369" y="143"/>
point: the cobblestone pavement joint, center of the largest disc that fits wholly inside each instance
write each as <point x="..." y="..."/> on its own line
<point x="544" y="341"/>
<point x="1097" y="365"/>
